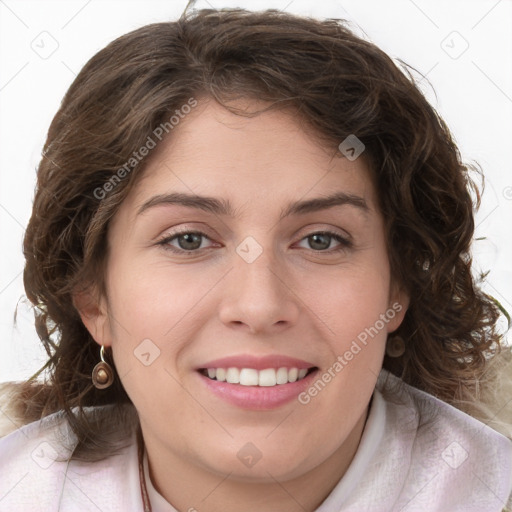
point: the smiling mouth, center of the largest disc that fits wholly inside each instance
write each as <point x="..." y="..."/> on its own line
<point x="252" y="377"/>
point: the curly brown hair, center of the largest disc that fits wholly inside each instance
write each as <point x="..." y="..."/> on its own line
<point x="337" y="84"/>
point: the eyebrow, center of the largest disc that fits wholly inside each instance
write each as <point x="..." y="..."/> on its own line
<point x="224" y="207"/>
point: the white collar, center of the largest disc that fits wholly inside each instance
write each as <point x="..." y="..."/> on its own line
<point x="403" y="463"/>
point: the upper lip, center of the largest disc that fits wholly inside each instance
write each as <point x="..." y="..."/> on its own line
<point x="258" y="363"/>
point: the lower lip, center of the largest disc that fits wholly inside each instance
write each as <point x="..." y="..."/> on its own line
<point x="258" y="397"/>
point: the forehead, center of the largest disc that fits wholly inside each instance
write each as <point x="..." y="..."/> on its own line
<point x="269" y="158"/>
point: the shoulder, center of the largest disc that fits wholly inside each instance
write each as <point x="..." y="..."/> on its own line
<point x="32" y="464"/>
<point x="455" y="462"/>
<point x="37" y="471"/>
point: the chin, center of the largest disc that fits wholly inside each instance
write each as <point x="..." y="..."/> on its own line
<point x="264" y="470"/>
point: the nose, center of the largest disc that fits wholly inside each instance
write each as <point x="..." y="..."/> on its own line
<point x="259" y="296"/>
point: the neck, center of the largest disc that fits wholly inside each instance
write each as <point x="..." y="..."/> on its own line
<point x="192" y="488"/>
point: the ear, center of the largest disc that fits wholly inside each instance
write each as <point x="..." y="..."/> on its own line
<point x="398" y="302"/>
<point x="92" y="308"/>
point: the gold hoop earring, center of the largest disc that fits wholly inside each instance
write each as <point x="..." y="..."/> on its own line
<point x="395" y="346"/>
<point x="102" y="373"/>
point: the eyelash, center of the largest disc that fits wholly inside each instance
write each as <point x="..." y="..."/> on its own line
<point x="344" y="243"/>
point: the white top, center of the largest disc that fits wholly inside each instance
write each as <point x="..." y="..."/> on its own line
<point x="453" y="463"/>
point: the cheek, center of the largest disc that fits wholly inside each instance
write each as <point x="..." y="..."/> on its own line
<point x="352" y="301"/>
<point x="155" y="311"/>
<point x="148" y="298"/>
<point x="143" y="312"/>
<point x="357" y="317"/>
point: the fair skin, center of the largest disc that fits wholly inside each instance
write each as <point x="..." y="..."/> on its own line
<point x="298" y="298"/>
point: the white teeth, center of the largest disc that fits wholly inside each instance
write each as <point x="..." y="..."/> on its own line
<point x="233" y="376"/>
<point x="248" y="377"/>
<point x="282" y="376"/>
<point x="267" y="377"/>
<point x="251" y="377"/>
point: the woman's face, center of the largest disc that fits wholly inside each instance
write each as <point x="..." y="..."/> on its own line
<point x="257" y="294"/>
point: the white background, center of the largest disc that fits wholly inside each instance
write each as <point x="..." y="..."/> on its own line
<point x="473" y="93"/>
